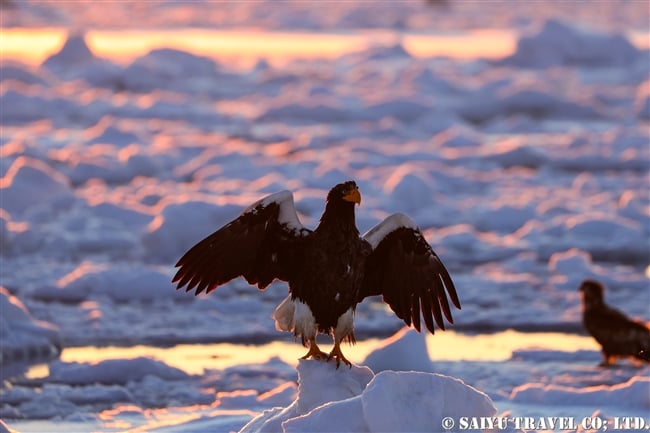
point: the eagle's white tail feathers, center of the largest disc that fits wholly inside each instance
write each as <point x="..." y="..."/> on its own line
<point x="283" y="315"/>
<point x="345" y="327"/>
<point x="295" y="316"/>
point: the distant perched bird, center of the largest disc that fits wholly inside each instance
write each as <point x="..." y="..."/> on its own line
<point x="329" y="270"/>
<point x="617" y="335"/>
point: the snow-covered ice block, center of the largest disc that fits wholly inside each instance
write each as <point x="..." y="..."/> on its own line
<point x="633" y="393"/>
<point x="16" y="71"/>
<point x="502" y="218"/>
<point x="165" y="67"/>
<point x="560" y="44"/>
<point x="31" y="182"/>
<point x="281" y="395"/>
<point x="106" y="132"/>
<point x="75" y="60"/>
<point x="409" y="187"/>
<point x="354" y="400"/>
<point x="603" y="236"/>
<point x="571" y="262"/>
<point x="488" y="103"/>
<point x="119" y="282"/>
<point x="404" y="351"/>
<point x="24" y="339"/>
<point x="238" y="398"/>
<point x="179" y="225"/>
<point x="513" y="153"/>
<point x="319" y="384"/>
<point x="113" y="371"/>
<point x="415" y="401"/>
<point x="74" y="52"/>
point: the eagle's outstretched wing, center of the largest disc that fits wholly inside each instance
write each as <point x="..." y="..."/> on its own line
<point x="262" y="244"/>
<point x="407" y="273"/>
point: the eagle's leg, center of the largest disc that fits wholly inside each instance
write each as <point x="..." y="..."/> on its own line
<point x="607" y="360"/>
<point x="314" y="351"/>
<point x="344" y="330"/>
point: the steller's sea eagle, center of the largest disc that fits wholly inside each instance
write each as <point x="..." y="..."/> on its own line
<point x="329" y="270"/>
<point x="617" y="335"/>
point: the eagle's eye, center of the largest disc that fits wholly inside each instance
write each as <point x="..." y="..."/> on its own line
<point x="351" y="193"/>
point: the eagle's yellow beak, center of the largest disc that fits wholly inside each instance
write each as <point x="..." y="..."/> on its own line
<point x="353" y="195"/>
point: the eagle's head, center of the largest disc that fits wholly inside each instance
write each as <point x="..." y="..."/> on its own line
<point x="339" y="211"/>
<point x="592" y="293"/>
<point x="345" y="192"/>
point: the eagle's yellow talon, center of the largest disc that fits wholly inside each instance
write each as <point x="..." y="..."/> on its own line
<point x="314" y="351"/>
<point x="338" y="356"/>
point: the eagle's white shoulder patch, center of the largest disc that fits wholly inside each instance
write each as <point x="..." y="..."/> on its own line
<point x="398" y="220"/>
<point x="288" y="215"/>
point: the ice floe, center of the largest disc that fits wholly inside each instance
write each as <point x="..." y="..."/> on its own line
<point x="25" y="339"/>
<point x="558" y="43"/>
<point x="356" y="400"/>
<point x="526" y="175"/>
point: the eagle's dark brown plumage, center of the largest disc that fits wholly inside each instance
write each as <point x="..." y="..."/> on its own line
<point x="617" y="335"/>
<point x="329" y="270"/>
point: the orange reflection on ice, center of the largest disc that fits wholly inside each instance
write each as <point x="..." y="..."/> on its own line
<point x="164" y="417"/>
<point x="499" y="346"/>
<point x="84" y="268"/>
<point x="443" y="346"/>
<point x="225" y="43"/>
<point x="477" y="44"/>
<point x="33" y="46"/>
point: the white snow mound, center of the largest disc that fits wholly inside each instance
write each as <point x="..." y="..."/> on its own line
<point x="390" y="354"/>
<point x="356" y="400"/>
<point x="562" y="44"/>
<point x="633" y="393"/>
<point x="23" y="338"/>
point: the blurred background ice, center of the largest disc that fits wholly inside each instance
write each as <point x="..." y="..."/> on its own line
<point x="515" y="134"/>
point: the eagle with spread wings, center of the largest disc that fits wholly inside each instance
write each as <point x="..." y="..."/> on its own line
<point x="329" y="270"/>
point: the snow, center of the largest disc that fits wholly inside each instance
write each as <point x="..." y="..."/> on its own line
<point x="527" y="172"/>
<point x="558" y="43"/>
<point x="390" y="354"/>
<point x="166" y="68"/>
<point x="29" y="181"/>
<point x="113" y="371"/>
<point x="634" y="393"/>
<point x="93" y="281"/>
<point x="357" y="400"/>
<point x="25" y="339"/>
<point x="407" y="186"/>
<point x="74" y="52"/>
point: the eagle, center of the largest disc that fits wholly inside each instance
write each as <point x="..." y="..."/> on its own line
<point x="329" y="270"/>
<point x="617" y="335"/>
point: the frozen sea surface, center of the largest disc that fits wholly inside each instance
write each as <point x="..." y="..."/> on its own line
<point x="527" y="174"/>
